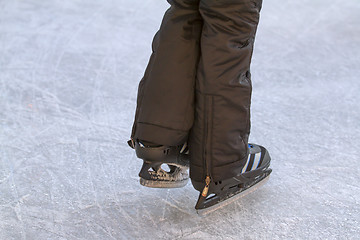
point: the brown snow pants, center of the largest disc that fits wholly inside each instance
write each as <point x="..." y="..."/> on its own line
<point x="197" y="85"/>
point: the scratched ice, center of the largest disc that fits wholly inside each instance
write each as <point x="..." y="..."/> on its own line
<point x="68" y="80"/>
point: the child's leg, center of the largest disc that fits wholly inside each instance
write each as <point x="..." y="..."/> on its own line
<point x="219" y="138"/>
<point x="165" y="103"/>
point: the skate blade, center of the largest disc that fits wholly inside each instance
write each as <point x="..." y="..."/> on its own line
<point x="163" y="184"/>
<point x="221" y="204"/>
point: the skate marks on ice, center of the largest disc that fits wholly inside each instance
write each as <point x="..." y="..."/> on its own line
<point x="68" y="79"/>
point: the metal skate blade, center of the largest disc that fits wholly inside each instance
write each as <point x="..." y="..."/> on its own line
<point x="163" y="184"/>
<point x="203" y="212"/>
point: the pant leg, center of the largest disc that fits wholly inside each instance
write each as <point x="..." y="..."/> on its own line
<point x="165" y="101"/>
<point x="218" y="139"/>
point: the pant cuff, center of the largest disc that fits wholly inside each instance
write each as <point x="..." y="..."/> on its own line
<point x="160" y="135"/>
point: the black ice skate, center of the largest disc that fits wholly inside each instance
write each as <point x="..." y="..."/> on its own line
<point x="254" y="174"/>
<point x="164" y="166"/>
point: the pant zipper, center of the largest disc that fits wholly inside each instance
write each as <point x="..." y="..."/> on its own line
<point x="208" y="113"/>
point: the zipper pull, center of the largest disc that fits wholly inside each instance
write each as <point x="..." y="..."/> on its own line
<point x="203" y="195"/>
<point x="206" y="188"/>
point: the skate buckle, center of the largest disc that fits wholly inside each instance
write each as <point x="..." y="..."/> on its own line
<point x="131" y="143"/>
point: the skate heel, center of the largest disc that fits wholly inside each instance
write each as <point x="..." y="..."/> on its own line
<point x="163" y="166"/>
<point x="163" y="175"/>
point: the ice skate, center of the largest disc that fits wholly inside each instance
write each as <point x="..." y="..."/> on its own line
<point x="164" y="166"/>
<point x="253" y="175"/>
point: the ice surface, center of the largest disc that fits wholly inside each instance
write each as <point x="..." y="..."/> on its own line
<point x="68" y="80"/>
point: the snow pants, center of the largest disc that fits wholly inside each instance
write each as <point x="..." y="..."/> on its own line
<point x="197" y="85"/>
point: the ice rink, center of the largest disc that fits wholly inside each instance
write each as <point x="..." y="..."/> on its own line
<point x="69" y="72"/>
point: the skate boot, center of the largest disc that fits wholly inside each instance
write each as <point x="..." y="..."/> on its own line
<point x="254" y="174"/>
<point x="164" y="166"/>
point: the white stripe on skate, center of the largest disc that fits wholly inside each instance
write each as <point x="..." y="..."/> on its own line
<point x="246" y="165"/>
<point x="256" y="161"/>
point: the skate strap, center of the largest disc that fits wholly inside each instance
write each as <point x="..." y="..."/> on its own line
<point x="131" y="143"/>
